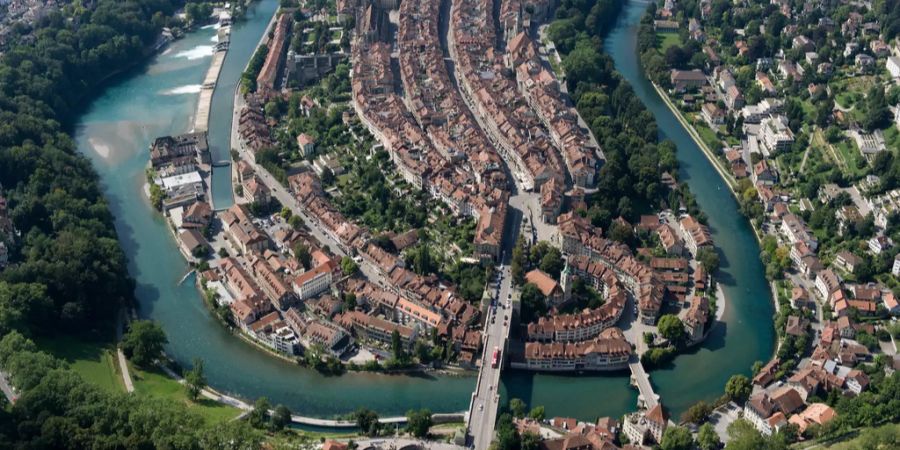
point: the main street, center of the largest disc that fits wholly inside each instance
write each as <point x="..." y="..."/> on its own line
<point x="497" y="325"/>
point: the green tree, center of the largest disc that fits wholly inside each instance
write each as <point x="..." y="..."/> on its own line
<point x="738" y="388"/>
<point x="552" y="262"/>
<point x="677" y="438"/>
<point x="397" y="346"/>
<point x="537" y="413"/>
<point x="743" y="436"/>
<point x="709" y="259"/>
<point x="534" y="305"/>
<point x="517" y="407"/>
<point x="418" y="422"/>
<point x="259" y="416"/>
<point x="876" y="111"/>
<point x="697" y="413"/>
<point x="671" y="328"/>
<point x="195" y="380"/>
<point x="348" y="265"/>
<point x="530" y="441"/>
<point x="281" y="418"/>
<point x="301" y="252"/>
<point x="367" y="421"/>
<point x="143" y="342"/>
<point x="707" y="439"/>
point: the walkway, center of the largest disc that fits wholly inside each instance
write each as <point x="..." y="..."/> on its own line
<point x="7" y="388"/>
<point x="640" y="378"/>
<point x="123" y="362"/>
<point x="204" y="103"/>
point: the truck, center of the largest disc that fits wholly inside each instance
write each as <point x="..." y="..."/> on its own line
<point x="495" y="358"/>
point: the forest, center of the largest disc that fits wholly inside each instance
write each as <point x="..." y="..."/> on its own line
<point x="630" y="179"/>
<point x="67" y="273"/>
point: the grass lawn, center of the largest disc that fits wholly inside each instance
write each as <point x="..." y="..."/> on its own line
<point x="709" y="136"/>
<point x="856" y="442"/>
<point x="892" y="137"/>
<point x="155" y="383"/>
<point x="850" y="154"/>
<point x="667" y="40"/>
<point x="95" y="361"/>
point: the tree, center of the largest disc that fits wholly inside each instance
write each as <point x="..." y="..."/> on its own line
<point x="530" y="441"/>
<point x="367" y="421"/>
<point x="301" y="252"/>
<point x="348" y="265"/>
<point x="671" y="328"/>
<point x="552" y="262"/>
<point x="143" y="342"/>
<point x="738" y="388"/>
<point x="743" y="436"/>
<point x="537" y="413"/>
<point x="195" y="380"/>
<point x="259" y="416"/>
<point x="296" y="222"/>
<point x="418" y="422"/>
<point x="707" y="439"/>
<point x="709" y="259"/>
<point x="397" y="346"/>
<point x="281" y="418"/>
<point x="517" y="408"/>
<point x="876" y="111"/>
<point x="697" y="413"/>
<point x="533" y="303"/>
<point x="676" y="438"/>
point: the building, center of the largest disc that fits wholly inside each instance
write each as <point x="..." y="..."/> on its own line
<point x="683" y="80"/>
<point x="609" y="351"/>
<point x="241" y="232"/>
<point x="893" y="66"/>
<point x="774" y="134"/>
<point x="306" y="144"/>
<point x="895" y="270"/>
<point x="547" y="285"/>
<point x="314" y="281"/>
<point x="256" y="192"/>
<point x="647" y="427"/>
<point x="827" y="284"/>
<point x="814" y="414"/>
<point x="696" y="235"/>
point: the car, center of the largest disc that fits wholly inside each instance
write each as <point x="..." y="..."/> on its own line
<point x="505" y="317"/>
<point x="480" y="407"/>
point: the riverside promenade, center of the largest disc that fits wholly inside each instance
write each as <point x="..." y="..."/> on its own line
<point x="204" y="102"/>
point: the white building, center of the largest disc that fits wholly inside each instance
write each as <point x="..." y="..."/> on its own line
<point x="775" y="134"/>
<point x="893" y="66"/>
<point x="313" y="282"/>
<point x="896" y="269"/>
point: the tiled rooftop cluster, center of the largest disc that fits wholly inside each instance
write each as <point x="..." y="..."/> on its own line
<point x="509" y="121"/>
<point x="434" y="100"/>
<point x="440" y="173"/>
<point x="307" y="188"/>
<point x="592" y="257"/>
<point x="541" y="90"/>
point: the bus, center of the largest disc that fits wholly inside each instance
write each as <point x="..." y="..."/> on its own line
<point x="495" y="359"/>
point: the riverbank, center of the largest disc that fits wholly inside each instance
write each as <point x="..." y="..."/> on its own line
<point x="710" y="155"/>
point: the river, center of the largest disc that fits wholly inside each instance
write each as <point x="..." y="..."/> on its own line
<point x="159" y="98"/>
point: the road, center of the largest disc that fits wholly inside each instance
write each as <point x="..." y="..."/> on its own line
<point x="642" y="380"/>
<point x="486" y="399"/>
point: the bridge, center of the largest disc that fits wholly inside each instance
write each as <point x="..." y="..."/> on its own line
<point x="646" y="398"/>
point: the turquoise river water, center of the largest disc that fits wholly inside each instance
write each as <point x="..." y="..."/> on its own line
<point x="159" y="98"/>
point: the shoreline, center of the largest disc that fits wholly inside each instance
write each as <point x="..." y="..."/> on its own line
<point x="710" y="156"/>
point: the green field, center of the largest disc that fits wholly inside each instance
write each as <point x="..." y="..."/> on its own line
<point x="865" y="439"/>
<point x="667" y="40"/>
<point x="94" y="360"/>
<point x="155" y="383"/>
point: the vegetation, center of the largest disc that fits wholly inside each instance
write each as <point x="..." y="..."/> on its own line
<point x="367" y="421"/>
<point x="143" y="342"/>
<point x="738" y="388"/>
<point x="195" y="380"/>
<point x="418" y="422"/>
<point x="57" y="409"/>
<point x="676" y="438"/>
